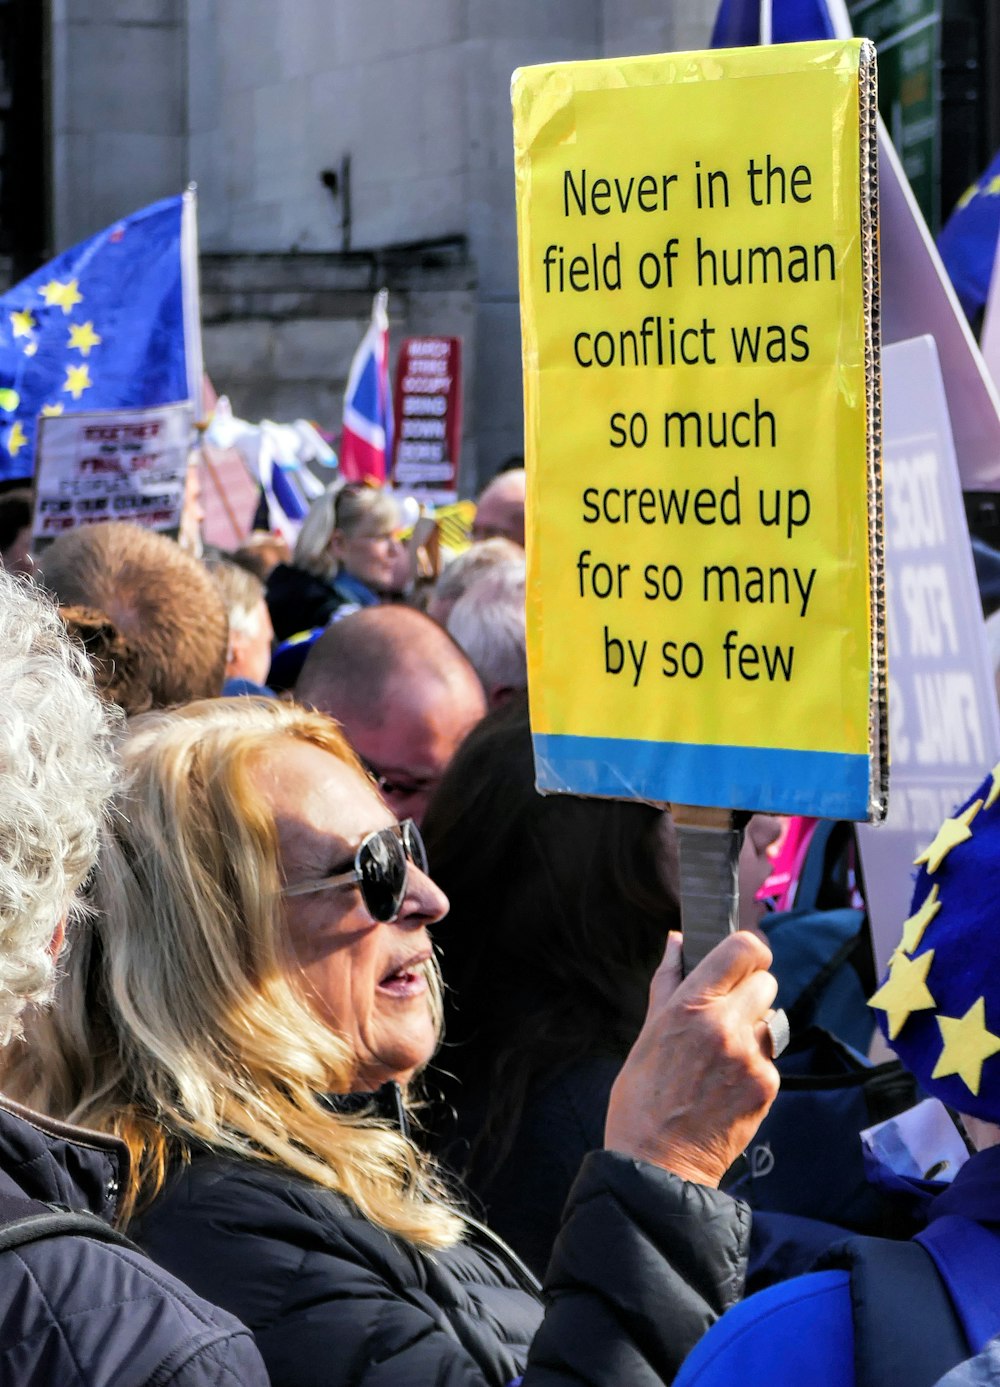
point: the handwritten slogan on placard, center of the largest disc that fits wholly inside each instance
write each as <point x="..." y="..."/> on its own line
<point x="698" y="362"/>
<point x="127" y="464"/>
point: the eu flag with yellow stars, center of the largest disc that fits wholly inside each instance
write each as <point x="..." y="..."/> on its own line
<point x="111" y="324"/>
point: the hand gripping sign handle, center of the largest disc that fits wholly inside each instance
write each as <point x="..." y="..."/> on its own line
<point x="709" y="847"/>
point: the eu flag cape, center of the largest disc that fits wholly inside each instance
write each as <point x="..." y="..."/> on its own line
<point x="110" y="324"/>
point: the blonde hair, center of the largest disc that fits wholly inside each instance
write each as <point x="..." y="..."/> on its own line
<point x="178" y="1021"/>
<point x="346" y="508"/>
<point x="242" y="592"/>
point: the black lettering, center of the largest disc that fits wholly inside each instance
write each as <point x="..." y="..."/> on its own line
<point x="600" y="188"/>
<point x="580" y="198"/>
<point x="800" y="341"/>
<point x="647" y="189"/>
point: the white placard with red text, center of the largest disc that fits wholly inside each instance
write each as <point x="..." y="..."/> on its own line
<point x="116" y="465"/>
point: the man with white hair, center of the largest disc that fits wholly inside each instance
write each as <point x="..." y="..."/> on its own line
<point x="467" y="569"/>
<point x="82" y="1308"/>
<point x="487" y="621"/>
<point x="251" y="635"/>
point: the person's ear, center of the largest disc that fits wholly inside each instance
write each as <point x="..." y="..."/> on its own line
<point x="234" y="651"/>
<point x="503" y="693"/>
<point x="55" y="944"/>
<point x="336" y="545"/>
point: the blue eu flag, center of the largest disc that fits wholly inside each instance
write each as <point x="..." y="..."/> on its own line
<point x="111" y="324"/>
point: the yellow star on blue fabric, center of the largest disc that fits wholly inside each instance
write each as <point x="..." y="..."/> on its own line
<point x="905" y="990"/>
<point x="58" y="294"/>
<point x="951" y="833"/>
<point x="913" y="928"/>
<point x="51" y="411"/>
<point x="64" y="294"/>
<point x="994" y="793"/>
<point x="16" y="439"/>
<point x="83" y="338"/>
<point x="967" y="1046"/>
<point x="22" y="323"/>
<point x="77" y="380"/>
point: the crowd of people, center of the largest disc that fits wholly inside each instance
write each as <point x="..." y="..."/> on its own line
<point x="335" y="1054"/>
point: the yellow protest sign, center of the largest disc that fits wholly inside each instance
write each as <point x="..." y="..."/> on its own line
<point x="699" y="315"/>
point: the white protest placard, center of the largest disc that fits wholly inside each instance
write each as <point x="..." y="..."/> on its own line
<point x="128" y="464"/>
<point x="944" y="727"/>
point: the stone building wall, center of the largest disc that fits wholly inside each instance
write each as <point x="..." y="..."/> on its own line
<point x="255" y="99"/>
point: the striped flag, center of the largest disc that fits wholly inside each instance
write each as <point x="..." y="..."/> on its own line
<point x="366" y="446"/>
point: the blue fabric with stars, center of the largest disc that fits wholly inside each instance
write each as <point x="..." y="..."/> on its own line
<point x="950" y="1032"/>
<point x="100" y="327"/>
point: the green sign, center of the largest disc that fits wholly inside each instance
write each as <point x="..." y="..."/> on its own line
<point x="907" y="34"/>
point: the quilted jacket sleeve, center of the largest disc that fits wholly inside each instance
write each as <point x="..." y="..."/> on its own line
<point x="644" y="1265"/>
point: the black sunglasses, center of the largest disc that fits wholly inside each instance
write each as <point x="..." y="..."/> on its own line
<point x="380" y="867"/>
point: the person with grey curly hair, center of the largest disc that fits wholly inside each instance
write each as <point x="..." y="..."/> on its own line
<point x="57" y="736"/>
<point x="83" y="1308"/>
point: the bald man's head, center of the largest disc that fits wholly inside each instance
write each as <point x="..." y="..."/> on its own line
<point x="404" y="693"/>
<point x="500" y="509"/>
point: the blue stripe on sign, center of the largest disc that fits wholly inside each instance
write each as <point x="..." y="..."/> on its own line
<point x="830" y="785"/>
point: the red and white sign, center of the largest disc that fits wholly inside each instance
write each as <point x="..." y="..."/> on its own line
<point x="127" y="464"/>
<point x="428" y="415"/>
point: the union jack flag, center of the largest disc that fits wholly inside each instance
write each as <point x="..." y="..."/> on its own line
<point x="366" y="446"/>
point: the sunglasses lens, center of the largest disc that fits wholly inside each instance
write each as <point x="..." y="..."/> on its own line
<point x="382" y="864"/>
<point x="414" y="844"/>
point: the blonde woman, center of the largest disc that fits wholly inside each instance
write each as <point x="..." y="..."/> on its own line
<point x="345" y="557"/>
<point x="246" y="1007"/>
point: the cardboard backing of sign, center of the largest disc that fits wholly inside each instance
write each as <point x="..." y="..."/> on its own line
<point x="128" y="464"/>
<point x="699" y="306"/>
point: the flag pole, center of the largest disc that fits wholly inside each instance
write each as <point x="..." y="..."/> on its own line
<point x="191" y="300"/>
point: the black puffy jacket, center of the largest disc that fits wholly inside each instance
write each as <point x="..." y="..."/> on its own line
<point x="643" y="1265"/>
<point x="82" y="1313"/>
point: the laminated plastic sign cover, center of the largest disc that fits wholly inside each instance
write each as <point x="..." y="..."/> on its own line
<point x="699" y="303"/>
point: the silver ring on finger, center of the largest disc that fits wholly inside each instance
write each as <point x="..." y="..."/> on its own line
<point x="778" y="1031"/>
